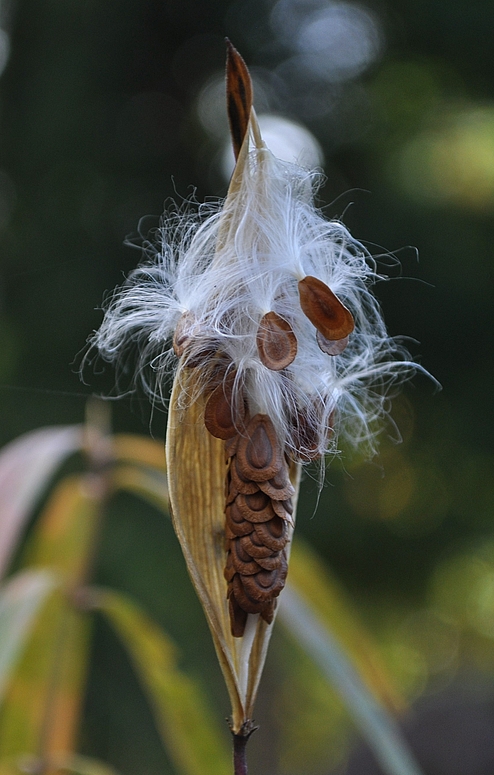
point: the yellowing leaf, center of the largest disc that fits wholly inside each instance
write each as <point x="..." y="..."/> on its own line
<point x="26" y="467"/>
<point x="21" y="599"/>
<point x="147" y="483"/>
<point x="42" y="705"/>
<point x="138" y="450"/>
<point x="59" y="765"/>
<point x="182" y="716"/>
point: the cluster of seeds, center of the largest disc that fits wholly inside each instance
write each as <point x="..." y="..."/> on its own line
<point x="258" y="497"/>
<point x="258" y="505"/>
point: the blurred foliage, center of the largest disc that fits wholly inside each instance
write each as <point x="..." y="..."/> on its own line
<point x="99" y="125"/>
<point x="45" y="621"/>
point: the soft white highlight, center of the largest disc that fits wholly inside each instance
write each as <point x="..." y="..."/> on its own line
<point x="226" y="266"/>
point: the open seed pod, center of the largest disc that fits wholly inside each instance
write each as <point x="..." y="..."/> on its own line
<point x="196" y="477"/>
<point x="198" y="448"/>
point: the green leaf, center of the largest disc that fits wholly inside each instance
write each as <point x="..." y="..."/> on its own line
<point x="304" y="623"/>
<point x="182" y="716"/>
<point x="26" y="467"/>
<point x="21" y="599"/>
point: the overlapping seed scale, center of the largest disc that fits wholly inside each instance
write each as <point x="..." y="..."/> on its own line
<point x="258" y="456"/>
<point x="258" y="514"/>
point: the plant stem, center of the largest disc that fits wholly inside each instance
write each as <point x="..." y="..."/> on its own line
<point x="239" y="747"/>
<point x="239" y="757"/>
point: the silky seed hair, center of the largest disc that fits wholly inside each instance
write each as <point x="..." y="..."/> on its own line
<point x="221" y="287"/>
<point x="263" y="292"/>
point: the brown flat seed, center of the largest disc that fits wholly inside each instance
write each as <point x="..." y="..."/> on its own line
<point x="231" y="494"/>
<point x="241" y="561"/>
<point x="324" y="310"/>
<point x="229" y="571"/>
<point x="279" y="488"/>
<point x="222" y="416"/>
<point x="259" y="456"/>
<point x="331" y="347"/>
<point x="264" y="586"/>
<point x="280" y="509"/>
<point x="270" y="563"/>
<point x="273" y="534"/>
<point x="231" y="446"/>
<point x="288" y="505"/>
<point x="246" y="488"/>
<point x="236" y="521"/>
<point x="276" y="342"/>
<point x="255" y="514"/>
<point x="229" y="535"/>
<point x="238" y="617"/>
<point x="244" y="600"/>
<point x="255" y="548"/>
<point x="267" y="612"/>
<point x="242" y="528"/>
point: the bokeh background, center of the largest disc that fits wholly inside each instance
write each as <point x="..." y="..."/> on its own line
<point x="110" y="109"/>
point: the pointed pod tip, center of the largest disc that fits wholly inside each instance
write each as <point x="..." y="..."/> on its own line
<point x="239" y="96"/>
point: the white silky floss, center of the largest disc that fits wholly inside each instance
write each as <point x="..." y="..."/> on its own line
<point x="227" y="266"/>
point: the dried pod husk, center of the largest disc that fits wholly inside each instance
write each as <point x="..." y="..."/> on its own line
<point x="276" y="342"/>
<point x="197" y="471"/>
<point x="239" y="96"/>
<point x="324" y="309"/>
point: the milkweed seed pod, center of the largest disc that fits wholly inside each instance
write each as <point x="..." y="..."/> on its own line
<point x="262" y="310"/>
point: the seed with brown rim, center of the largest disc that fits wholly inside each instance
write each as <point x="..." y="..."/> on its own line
<point x="276" y="342"/>
<point x="331" y="347"/>
<point x="223" y="415"/>
<point x="324" y="310"/>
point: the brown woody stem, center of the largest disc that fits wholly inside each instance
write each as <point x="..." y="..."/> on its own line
<point x="239" y="748"/>
<point x="239" y="757"/>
